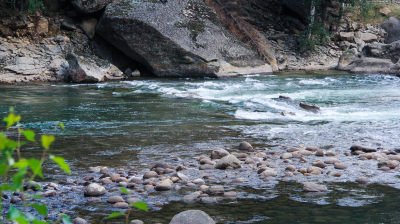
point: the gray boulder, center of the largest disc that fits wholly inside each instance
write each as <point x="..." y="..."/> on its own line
<point x="392" y="28"/>
<point x="94" y="189"/>
<point x="85" y="70"/>
<point x="177" y="39"/>
<point x="90" y="6"/>
<point x="219" y="153"/>
<point x="192" y="217"/>
<point x="314" y="187"/>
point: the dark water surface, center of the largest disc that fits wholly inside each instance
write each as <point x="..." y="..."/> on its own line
<point x="135" y="123"/>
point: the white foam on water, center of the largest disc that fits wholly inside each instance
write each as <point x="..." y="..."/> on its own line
<point x="313" y="82"/>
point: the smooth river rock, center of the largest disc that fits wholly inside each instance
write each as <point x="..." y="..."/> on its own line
<point x="192" y="217"/>
<point x="94" y="189"/>
<point x="228" y="161"/>
<point x="314" y="187"/>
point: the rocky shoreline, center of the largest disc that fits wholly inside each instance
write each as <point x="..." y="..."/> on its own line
<point x="125" y="41"/>
<point x="219" y="176"/>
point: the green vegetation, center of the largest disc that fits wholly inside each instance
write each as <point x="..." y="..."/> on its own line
<point x="367" y="12"/>
<point x="18" y="173"/>
<point x="30" y="6"/>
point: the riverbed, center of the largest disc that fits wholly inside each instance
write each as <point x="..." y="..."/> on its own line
<point x="139" y="122"/>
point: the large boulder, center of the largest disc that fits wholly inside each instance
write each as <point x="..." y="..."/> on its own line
<point x="90" y="6"/>
<point x="392" y="28"/>
<point x="192" y="217"/>
<point x="85" y="70"/>
<point x="177" y="39"/>
<point x="362" y="64"/>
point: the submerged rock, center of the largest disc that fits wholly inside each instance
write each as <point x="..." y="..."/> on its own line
<point x="309" y="107"/>
<point x="245" y="146"/>
<point x="361" y="148"/>
<point x="192" y="217"/>
<point x="177" y="39"/>
<point x="314" y="187"/>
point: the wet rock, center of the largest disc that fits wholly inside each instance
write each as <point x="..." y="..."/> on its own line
<point x="198" y="181"/>
<point x="319" y="164"/>
<point x="355" y="148"/>
<point x="207" y="161"/>
<point x="292" y="150"/>
<point x="49" y="193"/>
<point x="394" y="157"/>
<point x="115" y="199"/>
<point x="115" y="177"/>
<point x="334" y="173"/>
<point x="331" y="161"/>
<point x="192" y="217"/>
<point x="136" y="221"/>
<point x="121" y="205"/>
<point x="209" y="200"/>
<point x="204" y="188"/>
<point x="320" y="153"/>
<point x="340" y="166"/>
<point x="136" y="180"/>
<point x="164" y="185"/>
<point x="206" y="167"/>
<point x="245" y="146"/>
<point x="314" y="187"/>
<point x="392" y="164"/>
<point x="190" y="198"/>
<point x="312" y="149"/>
<point x="362" y="180"/>
<point x="238" y="180"/>
<point x="291" y="168"/>
<point x="94" y="189"/>
<point x="219" y="153"/>
<point x="309" y="107"/>
<point x="228" y="161"/>
<point x="330" y="153"/>
<point x="302" y="170"/>
<point x="150" y="174"/>
<point x="216" y="190"/>
<point x="269" y="172"/>
<point x="230" y="194"/>
<point x="32" y="185"/>
<point x="79" y="220"/>
<point x="305" y="152"/>
<point x="182" y="176"/>
<point x="286" y="155"/>
<point x="314" y="170"/>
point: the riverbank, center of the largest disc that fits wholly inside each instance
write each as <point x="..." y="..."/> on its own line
<point x="77" y="47"/>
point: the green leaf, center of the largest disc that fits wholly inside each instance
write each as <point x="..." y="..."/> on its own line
<point x="21" y="163"/>
<point x="21" y="220"/>
<point x="124" y="190"/>
<point x="37" y="196"/>
<point x="11" y="119"/>
<point x="66" y="219"/>
<point x="39" y="222"/>
<point x="18" y="178"/>
<point x="36" y="167"/>
<point x="115" y="214"/>
<point x="42" y="209"/>
<point x="47" y="140"/>
<point x="14" y="214"/>
<point x="61" y="163"/>
<point x="62" y="126"/>
<point x="140" y="205"/>
<point x="29" y="135"/>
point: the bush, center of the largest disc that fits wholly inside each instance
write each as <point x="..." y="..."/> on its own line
<point x="16" y="171"/>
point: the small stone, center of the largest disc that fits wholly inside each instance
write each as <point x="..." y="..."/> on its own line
<point x="206" y="167"/>
<point x="314" y="170"/>
<point x="268" y="172"/>
<point x="136" y="221"/>
<point x="340" y="166"/>
<point x="106" y="181"/>
<point x="319" y="164"/>
<point x="303" y="170"/>
<point x="164" y="185"/>
<point x="79" y="220"/>
<point x="49" y="193"/>
<point x="115" y="177"/>
<point x="182" y="176"/>
<point x="392" y="164"/>
<point x="93" y="200"/>
<point x="132" y="200"/>
<point x="362" y="180"/>
<point x="209" y="200"/>
<point x="286" y="155"/>
<point x="228" y="161"/>
<point x="334" y="173"/>
<point x="198" y="181"/>
<point x="94" y="189"/>
<point x="230" y="194"/>
<point x="121" y="205"/>
<point x="175" y="179"/>
<point x="319" y="152"/>
<point x="291" y="168"/>
<point x="292" y="150"/>
<point x="148" y="187"/>
<point x="150" y="174"/>
<point x="204" y="188"/>
<point x="238" y="180"/>
<point x="219" y="153"/>
<point x="305" y="153"/>
<point x="115" y="199"/>
<point x="190" y="198"/>
<point x="136" y="180"/>
<point x="332" y="161"/>
<point x="216" y="190"/>
<point x="314" y="187"/>
<point x="245" y="146"/>
<point x="206" y="161"/>
<point x="330" y="153"/>
<point x="312" y="149"/>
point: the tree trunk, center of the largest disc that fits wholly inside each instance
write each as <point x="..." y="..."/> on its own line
<point x="312" y="18"/>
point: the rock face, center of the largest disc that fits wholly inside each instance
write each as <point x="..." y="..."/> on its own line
<point x="192" y="217"/>
<point x="84" y="70"/>
<point x="90" y="6"/>
<point x="392" y="28"/>
<point x="177" y="39"/>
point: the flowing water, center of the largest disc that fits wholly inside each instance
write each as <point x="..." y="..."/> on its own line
<point x="137" y="122"/>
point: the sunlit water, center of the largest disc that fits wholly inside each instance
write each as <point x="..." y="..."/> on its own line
<point x="138" y="122"/>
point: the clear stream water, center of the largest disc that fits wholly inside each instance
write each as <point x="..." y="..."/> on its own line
<point x="137" y="122"/>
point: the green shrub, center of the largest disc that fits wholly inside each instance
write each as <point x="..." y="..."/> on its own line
<point x="16" y="171"/>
